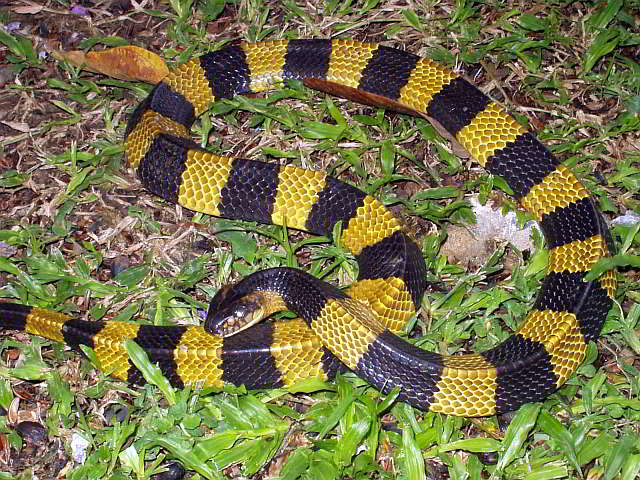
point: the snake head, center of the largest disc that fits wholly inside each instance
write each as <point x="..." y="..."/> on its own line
<point x="235" y="317"/>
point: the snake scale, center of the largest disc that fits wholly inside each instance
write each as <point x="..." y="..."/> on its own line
<point x="356" y="327"/>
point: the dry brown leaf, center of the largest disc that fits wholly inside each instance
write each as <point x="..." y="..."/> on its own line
<point x="30" y="8"/>
<point x="125" y="63"/>
<point x="19" y="126"/>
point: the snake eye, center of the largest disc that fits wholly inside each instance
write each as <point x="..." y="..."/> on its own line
<point x="240" y="311"/>
<point x="245" y="309"/>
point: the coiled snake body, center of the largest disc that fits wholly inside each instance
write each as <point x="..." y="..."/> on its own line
<point x="356" y="326"/>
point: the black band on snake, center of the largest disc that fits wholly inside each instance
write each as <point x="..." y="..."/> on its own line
<point x="355" y="327"/>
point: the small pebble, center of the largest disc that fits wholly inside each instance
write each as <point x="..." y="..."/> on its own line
<point x="43" y="30"/>
<point x="32" y="433"/>
<point x="118" y="265"/>
<point x="628" y="219"/>
<point x="116" y="413"/>
<point x="175" y="471"/>
<point x="79" y="448"/>
<point x="7" y="250"/>
<point x="488" y="458"/>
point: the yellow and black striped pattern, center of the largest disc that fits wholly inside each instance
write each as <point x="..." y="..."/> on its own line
<point x="197" y="358"/>
<point x="358" y="329"/>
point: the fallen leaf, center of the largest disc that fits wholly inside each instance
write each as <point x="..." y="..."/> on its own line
<point x="19" y="126"/>
<point x="126" y="63"/>
<point x="30" y="9"/>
